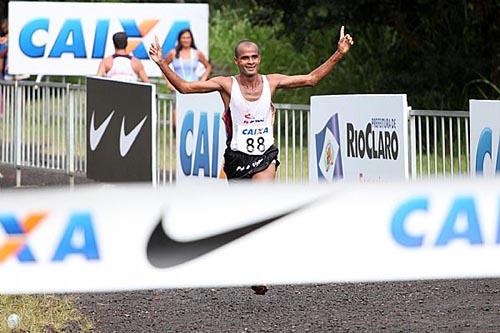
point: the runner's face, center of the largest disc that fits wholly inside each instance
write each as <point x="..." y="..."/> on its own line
<point x="248" y="60"/>
<point x="186" y="40"/>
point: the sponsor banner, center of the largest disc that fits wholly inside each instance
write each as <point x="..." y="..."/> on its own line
<point x="485" y="137"/>
<point x="358" y="138"/>
<point x="134" y="237"/>
<point x="121" y="131"/>
<point x="200" y="136"/>
<point x="70" y="38"/>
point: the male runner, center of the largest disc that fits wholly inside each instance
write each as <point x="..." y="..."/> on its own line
<point x="249" y="112"/>
<point x="250" y="152"/>
<point x="122" y="66"/>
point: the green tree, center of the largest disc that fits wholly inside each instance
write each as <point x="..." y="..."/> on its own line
<point x="439" y="52"/>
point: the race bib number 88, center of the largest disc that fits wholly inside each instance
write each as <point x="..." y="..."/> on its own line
<point x="254" y="140"/>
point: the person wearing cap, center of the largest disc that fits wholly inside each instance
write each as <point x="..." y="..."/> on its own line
<point x="121" y="65"/>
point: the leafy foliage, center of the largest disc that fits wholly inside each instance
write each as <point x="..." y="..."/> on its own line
<point x="228" y="26"/>
<point x="431" y="50"/>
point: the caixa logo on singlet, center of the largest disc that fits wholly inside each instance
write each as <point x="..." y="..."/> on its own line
<point x="75" y="38"/>
<point x="484" y="149"/>
<point x="328" y="156"/>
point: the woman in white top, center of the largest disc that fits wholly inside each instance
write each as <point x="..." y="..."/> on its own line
<point x="185" y="58"/>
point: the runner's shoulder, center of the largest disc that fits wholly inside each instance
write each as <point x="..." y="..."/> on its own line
<point x="223" y="81"/>
<point x="275" y="76"/>
<point x="274" y="79"/>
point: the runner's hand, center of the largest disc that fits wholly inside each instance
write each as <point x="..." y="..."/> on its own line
<point x="155" y="51"/>
<point x="345" y="42"/>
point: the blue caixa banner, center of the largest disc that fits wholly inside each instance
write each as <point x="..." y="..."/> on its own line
<point x="485" y="137"/>
<point x="201" y="136"/>
<point x="65" y="38"/>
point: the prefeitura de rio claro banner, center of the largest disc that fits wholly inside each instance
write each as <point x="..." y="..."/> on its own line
<point x="201" y="136"/>
<point x="485" y="137"/>
<point x="71" y="38"/>
<point x="358" y="138"/>
<point x="135" y="237"/>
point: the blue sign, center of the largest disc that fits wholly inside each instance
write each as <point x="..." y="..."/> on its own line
<point x="463" y="209"/>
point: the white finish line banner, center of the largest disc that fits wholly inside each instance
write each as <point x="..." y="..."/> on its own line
<point x="71" y="38"/>
<point x="126" y="238"/>
<point x="485" y="137"/>
<point x="358" y="138"/>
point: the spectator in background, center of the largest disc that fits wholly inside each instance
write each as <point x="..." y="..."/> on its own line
<point x="185" y="58"/>
<point x="4" y="40"/>
<point x="122" y="66"/>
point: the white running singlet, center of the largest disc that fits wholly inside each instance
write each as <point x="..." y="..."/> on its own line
<point x="122" y="69"/>
<point x="252" y="122"/>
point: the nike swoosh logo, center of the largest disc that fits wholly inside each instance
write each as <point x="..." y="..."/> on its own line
<point x="164" y="252"/>
<point x="97" y="133"/>
<point x="127" y="140"/>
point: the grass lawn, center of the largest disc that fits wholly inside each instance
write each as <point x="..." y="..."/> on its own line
<point x="42" y="313"/>
<point x="432" y="163"/>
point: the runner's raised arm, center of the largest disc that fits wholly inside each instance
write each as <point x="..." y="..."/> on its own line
<point x="311" y="79"/>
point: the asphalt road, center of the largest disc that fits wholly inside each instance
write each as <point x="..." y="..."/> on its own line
<point x="430" y="306"/>
<point x="417" y="306"/>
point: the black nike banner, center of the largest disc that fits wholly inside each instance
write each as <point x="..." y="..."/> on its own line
<point x="121" y="124"/>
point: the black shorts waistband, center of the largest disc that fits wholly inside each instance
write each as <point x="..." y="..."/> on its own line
<point x="238" y="165"/>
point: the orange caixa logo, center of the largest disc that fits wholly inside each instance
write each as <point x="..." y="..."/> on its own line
<point x="135" y="34"/>
<point x="17" y="233"/>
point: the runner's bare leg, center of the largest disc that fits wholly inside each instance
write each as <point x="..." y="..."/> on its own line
<point x="266" y="175"/>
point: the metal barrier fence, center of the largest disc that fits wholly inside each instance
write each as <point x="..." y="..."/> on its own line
<point x="165" y="140"/>
<point x="439" y="143"/>
<point x="43" y="125"/>
<point x="293" y="158"/>
<point x="291" y="124"/>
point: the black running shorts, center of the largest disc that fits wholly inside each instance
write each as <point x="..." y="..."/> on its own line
<point x="238" y="165"/>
